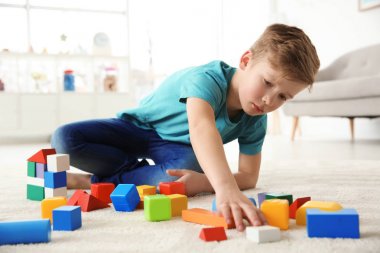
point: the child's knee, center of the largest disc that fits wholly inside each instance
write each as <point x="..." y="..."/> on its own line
<point x="60" y="139"/>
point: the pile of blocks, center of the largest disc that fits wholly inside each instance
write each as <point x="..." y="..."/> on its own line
<point x="46" y="175"/>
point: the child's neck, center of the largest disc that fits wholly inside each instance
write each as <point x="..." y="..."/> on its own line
<point x="233" y="101"/>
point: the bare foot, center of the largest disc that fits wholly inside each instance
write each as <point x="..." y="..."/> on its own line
<point x="78" y="181"/>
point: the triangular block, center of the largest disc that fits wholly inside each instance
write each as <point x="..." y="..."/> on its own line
<point x="73" y="201"/>
<point x="213" y="234"/>
<point x="40" y="156"/>
<point x="89" y="203"/>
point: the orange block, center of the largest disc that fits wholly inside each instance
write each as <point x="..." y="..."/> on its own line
<point x="322" y="205"/>
<point x="145" y="190"/>
<point x="295" y="205"/>
<point x="213" y="234"/>
<point x="179" y="203"/>
<point x="48" y="205"/>
<point x="73" y="201"/>
<point x="276" y="211"/>
<point x="168" y="188"/>
<point x="102" y="191"/>
<point x="205" y="217"/>
<point x="89" y="203"/>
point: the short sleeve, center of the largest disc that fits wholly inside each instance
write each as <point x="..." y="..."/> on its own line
<point x="251" y="142"/>
<point x="205" y="87"/>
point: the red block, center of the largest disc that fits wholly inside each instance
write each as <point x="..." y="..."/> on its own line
<point x="213" y="234"/>
<point x="73" y="201"/>
<point x="40" y="156"/>
<point x="168" y="188"/>
<point x="102" y="191"/>
<point x="89" y="203"/>
<point x="297" y="204"/>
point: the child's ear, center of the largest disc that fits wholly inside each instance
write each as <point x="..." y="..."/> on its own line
<point x="245" y="58"/>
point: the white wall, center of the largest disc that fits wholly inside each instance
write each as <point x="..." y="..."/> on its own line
<point x="335" y="27"/>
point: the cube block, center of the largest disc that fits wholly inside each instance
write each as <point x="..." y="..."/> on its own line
<point x="157" y="207"/>
<point x="343" y="223"/>
<point x="34" y="192"/>
<point x="262" y="234"/>
<point x="125" y="197"/>
<point x="40" y="170"/>
<point x="322" y="205"/>
<point x="55" y="192"/>
<point x="31" y="169"/>
<point x="178" y="203"/>
<point x="47" y="206"/>
<point x="213" y="234"/>
<point x="261" y="197"/>
<point x="58" y="162"/>
<point x="168" y="188"/>
<point x="67" y="218"/>
<point x="289" y="197"/>
<point x="55" y="179"/>
<point x="276" y="211"/>
<point x="102" y="191"/>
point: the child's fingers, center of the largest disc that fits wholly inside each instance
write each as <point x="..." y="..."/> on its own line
<point x="252" y="215"/>
<point x="238" y="218"/>
<point x="175" y="173"/>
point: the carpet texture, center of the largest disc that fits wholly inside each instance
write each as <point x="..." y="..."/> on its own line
<point x="354" y="184"/>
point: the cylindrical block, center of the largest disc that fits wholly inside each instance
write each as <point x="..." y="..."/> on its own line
<point x="29" y="231"/>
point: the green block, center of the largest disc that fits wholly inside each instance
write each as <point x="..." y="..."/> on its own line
<point x="289" y="197"/>
<point x="34" y="192"/>
<point x="157" y="207"/>
<point x="31" y="169"/>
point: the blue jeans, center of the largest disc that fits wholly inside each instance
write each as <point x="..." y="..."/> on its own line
<point x="112" y="149"/>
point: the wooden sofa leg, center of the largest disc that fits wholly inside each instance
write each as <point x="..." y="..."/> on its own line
<point x="294" y="127"/>
<point x="352" y="128"/>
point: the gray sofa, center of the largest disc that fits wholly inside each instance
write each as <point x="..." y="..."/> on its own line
<point x="349" y="87"/>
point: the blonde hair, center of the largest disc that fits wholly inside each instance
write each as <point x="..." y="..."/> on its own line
<point x="290" y="50"/>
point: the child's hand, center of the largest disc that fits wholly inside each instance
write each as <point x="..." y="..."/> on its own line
<point x="234" y="206"/>
<point x="195" y="182"/>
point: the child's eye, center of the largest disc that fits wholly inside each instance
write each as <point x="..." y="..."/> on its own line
<point x="282" y="97"/>
<point x="267" y="83"/>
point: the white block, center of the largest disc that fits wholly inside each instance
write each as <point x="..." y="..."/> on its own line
<point x="35" y="181"/>
<point x="263" y="234"/>
<point x="58" y="162"/>
<point x="55" y="192"/>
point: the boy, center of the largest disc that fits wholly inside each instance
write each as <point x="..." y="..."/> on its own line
<point x="183" y="125"/>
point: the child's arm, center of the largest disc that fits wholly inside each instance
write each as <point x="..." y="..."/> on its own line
<point x="208" y="147"/>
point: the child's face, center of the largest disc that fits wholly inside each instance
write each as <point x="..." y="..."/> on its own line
<point x="263" y="89"/>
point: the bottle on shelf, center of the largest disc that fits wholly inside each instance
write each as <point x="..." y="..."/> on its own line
<point x="69" y="80"/>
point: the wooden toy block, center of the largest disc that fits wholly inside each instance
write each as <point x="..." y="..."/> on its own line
<point x="145" y="190"/>
<point x="323" y="205"/>
<point x="47" y="206"/>
<point x="34" y="192"/>
<point x="35" y="181"/>
<point x="343" y="223"/>
<point x="58" y="162"/>
<point x="67" y="218"/>
<point x="297" y="204"/>
<point x="102" y="191"/>
<point x="89" y="203"/>
<point x="157" y="207"/>
<point x="28" y="231"/>
<point x="40" y="156"/>
<point x="262" y="234"/>
<point x="289" y="197"/>
<point x="40" y="170"/>
<point x="31" y="169"/>
<point x="261" y="197"/>
<point x="178" y="203"/>
<point x="205" y="217"/>
<point x="141" y="204"/>
<point x="55" y="192"/>
<point x="125" y="197"/>
<point x="168" y="188"/>
<point x="276" y="211"/>
<point x="55" y="179"/>
<point x="73" y="201"/>
<point x="214" y="209"/>
<point x="213" y="234"/>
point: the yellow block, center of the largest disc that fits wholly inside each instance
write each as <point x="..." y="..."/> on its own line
<point x="179" y="203"/>
<point x="47" y="206"/>
<point x="322" y="205"/>
<point x="144" y="190"/>
<point x="276" y="211"/>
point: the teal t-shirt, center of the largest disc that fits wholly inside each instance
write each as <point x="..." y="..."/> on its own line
<point x="165" y="109"/>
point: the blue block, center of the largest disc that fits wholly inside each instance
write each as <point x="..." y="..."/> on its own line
<point x="213" y="207"/>
<point x="261" y="197"/>
<point x="55" y="179"/>
<point x="67" y="218"/>
<point x="29" y="231"/>
<point x="332" y="224"/>
<point x="125" y="197"/>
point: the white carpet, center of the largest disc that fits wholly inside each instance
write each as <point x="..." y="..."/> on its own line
<point x="355" y="184"/>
